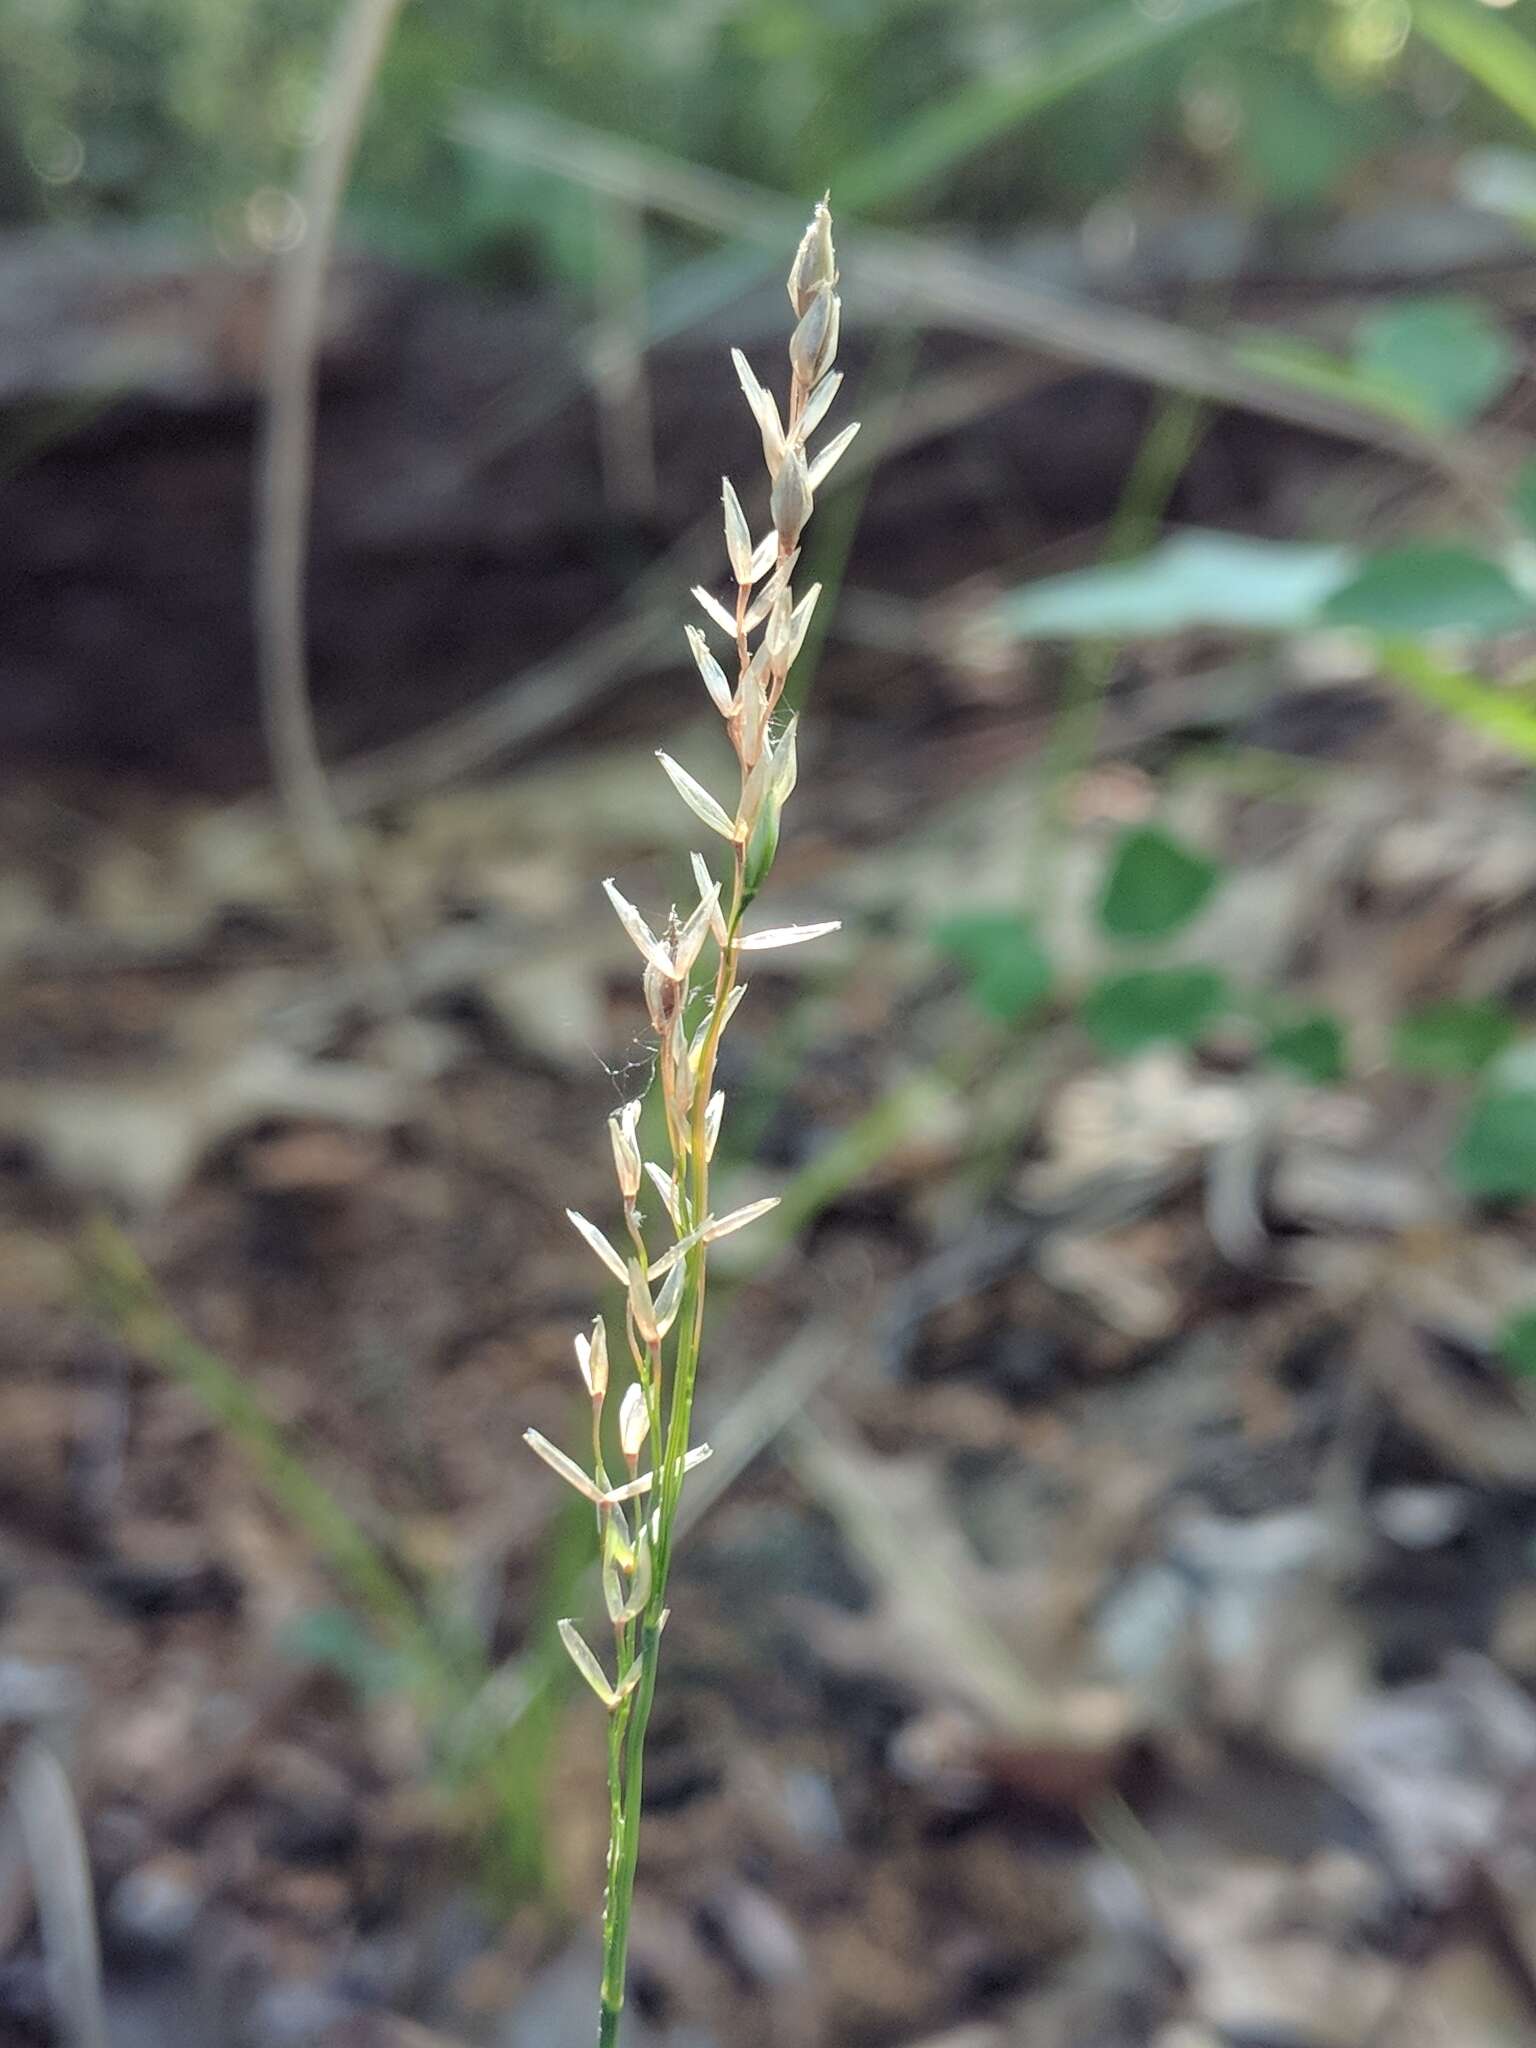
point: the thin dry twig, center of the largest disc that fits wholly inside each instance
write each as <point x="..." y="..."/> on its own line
<point x="61" y="1883"/>
<point x="284" y="476"/>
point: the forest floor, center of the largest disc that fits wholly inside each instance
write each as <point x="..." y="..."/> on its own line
<point x="1110" y="1617"/>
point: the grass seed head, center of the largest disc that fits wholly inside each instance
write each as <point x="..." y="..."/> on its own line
<point x="764" y="624"/>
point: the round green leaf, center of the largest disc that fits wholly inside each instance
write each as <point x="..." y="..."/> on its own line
<point x="1312" y="1047"/>
<point x="1296" y="139"/>
<point x="1452" y="1038"/>
<point x="1447" y="354"/>
<point x="1155" y="884"/>
<point x="1009" y="971"/>
<point x="1517" y="1343"/>
<point x="1130" y="1011"/>
<point x="1495" y="1156"/>
<point x="1426" y="590"/>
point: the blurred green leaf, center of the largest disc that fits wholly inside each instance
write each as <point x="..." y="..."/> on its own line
<point x="1492" y="51"/>
<point x="1130" y="1011"/>
<point x="1313" y="1047"/>
<point x="1194" y="579"/>
<point x="1207" y="579"/>
<point x="1427" y="589"/>
<point x="1448" y="355"/>
<point x="1495" y="1156"/>
<point x="1311" y="368"/>
<point x="1517" y="1342"/>
<point x="337" y="1641"/>
<point x="1009" y="971"/>
<point x="1452" y="1037"/>
<point x="957" y="124"/>
<point x="1155" y="884"/>
<point x="1296" y="139"/>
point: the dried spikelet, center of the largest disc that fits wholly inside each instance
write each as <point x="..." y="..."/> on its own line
<point x="623" y="1126"/>
<point x="823" y="464"/>
<point x="696" y="797"/>
<point x="592" y="1359"/>
<point x="815" y="264"/>
<point x="738" y="535"/>
<point x="598" y="1243"/>
<point x="564" y="1467"/>
<point x="786" y="935"/>
<point x="634" y="1425"/>
<point x="814" y="341"/>
<point x="816" y="405"/>
<point x="586" y="1663"/>
<point x="714" y="675"/>
<point x="790" y="502"/>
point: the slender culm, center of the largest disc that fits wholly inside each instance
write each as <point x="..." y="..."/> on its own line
<point x="691" y="988"/>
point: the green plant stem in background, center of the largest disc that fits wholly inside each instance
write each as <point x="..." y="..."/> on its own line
<point x="490" y="1731"/>
<point x="1501" y="715"/>
<point x="1486" y="48"/>
<point x="886" y="386"/>
<point x="1170" y="440"/>
<point x="129" y="1304"/>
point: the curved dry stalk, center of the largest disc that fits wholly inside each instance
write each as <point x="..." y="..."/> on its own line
<point x="45" y="1805"/>
<point x="663" y="1292"/>
<point x="284" y="477"/>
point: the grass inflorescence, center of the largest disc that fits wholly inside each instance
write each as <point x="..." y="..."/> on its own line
<point x="642" y="1392"/>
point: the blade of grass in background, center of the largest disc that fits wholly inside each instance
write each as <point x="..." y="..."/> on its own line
<point x="1170" y="441"/>
<point x="1471" y="702"/>
<point x="882" y="398"/>
<point x="128" y="1303"/>
<point x="490" y="1731"/>
<point x="1489" y="50"/>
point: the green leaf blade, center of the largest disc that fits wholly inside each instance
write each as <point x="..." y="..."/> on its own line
<point x="1427" y="589"/>
<point x="1000" y="951"/>
<point x="1517" y="1343"/>
<point x="1159" y="1005"/>
<point x="1446" y="354"/>
<point x="1313" y="1047"/>
<point x="1155" y="885"/>
<point x="1495" y="1156"/>
<point x="1198" y="578"/>
<point x="1452" y="1038"/>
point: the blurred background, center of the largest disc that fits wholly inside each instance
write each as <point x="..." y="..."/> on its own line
<point x="1109" y="1619"/>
